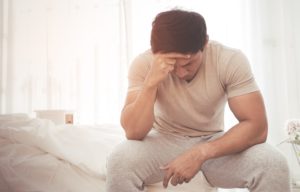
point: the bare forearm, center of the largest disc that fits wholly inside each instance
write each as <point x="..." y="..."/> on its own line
<point x="238" y="138"/>
<point x="137" y="118"/>
<point x="138" y="114"/>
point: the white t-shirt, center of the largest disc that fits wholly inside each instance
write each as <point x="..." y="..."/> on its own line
<point x="196" y="108"/>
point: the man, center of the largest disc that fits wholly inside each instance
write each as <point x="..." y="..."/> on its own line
<point x="174" y="115"/>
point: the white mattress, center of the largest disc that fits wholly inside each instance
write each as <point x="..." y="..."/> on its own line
<point x="36" y="155"/>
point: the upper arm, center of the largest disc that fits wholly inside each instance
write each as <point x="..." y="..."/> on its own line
<point x="136" y="76"/>
<point x="137" y="73"/>
<point x="237" y="76"/>
<point x="249" y="107"/>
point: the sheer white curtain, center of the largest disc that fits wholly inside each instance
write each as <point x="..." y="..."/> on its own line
<point x="74" y="54"/>
<point x="64" y="54"/>
<point x="275" y="46"/>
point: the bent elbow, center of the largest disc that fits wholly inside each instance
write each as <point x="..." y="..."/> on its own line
<point x="132" y="136"/>
<point x="264" y="134"/>
<point x="130" y="133"/>
<point x="134" y="131"/>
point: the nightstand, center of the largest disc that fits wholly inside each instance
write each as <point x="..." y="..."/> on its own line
<point x="57" y="116"/>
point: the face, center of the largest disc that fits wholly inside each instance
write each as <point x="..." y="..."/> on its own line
<point x="186" y="69"/>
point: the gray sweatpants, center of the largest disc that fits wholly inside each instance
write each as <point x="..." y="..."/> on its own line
<point x="134" y="164"/>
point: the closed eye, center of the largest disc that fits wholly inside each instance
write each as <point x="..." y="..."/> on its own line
<point x="188" y="64"/>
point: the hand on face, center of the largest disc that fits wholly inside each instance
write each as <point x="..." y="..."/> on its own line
<point x="183" y="168"/>
<point x="162" y="65"/>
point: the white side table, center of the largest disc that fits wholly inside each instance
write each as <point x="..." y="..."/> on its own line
<point x="57" y="116"/>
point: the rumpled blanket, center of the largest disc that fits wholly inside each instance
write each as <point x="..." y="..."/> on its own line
<point x="27" y="144"/>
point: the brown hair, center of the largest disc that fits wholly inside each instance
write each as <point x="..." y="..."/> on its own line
<point x="178" y="31"/>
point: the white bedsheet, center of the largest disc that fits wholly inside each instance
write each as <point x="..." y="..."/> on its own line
<point x="36" y="155"/>
<point x="83" y="146"/>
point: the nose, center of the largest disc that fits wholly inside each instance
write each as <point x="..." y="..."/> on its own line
<point x="181" y="72"/>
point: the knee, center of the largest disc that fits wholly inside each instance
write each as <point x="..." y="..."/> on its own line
<point x="269" y="166"/>
<point x="269" y="161"/>
<point x="278" y="166"/>
<point x="122" y="168"/>
<point x="123" y="158"/>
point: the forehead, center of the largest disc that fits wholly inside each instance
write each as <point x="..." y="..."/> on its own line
<point x="183" y="61"/>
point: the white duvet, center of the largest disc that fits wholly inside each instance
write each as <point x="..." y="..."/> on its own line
<point x="36" y="155"/>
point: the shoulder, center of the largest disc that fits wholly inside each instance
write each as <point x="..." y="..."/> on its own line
<point x="231" y="65"/>
<point x="142" y="59"/>
<point x="145" y="56"/>
<point x="221" y="51"/>
<point x="224" y="57"/>
<point x="141" y="63"/>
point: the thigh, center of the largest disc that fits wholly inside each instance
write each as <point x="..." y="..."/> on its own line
<point x="239" y="170"/>
<point x="145" y="157"/>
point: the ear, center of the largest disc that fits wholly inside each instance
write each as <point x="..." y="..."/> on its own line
<point x="207" y="39"/>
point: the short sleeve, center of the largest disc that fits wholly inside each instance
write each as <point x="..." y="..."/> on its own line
<point x="137" y="72"/>
<point x="239" y="78"/>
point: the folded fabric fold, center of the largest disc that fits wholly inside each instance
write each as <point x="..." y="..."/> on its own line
<point x="84" y="146"/>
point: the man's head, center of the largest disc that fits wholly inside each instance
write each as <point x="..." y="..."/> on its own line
<point x="178" y="31"/>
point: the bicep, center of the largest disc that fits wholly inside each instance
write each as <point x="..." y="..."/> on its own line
<point x="248" y="107"/>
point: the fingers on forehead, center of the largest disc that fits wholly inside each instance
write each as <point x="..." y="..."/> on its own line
<point x="177" y="55"/>
<point x="171" y="61"/>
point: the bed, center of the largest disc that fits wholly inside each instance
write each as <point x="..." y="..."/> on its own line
<point x="37" y="155"/>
